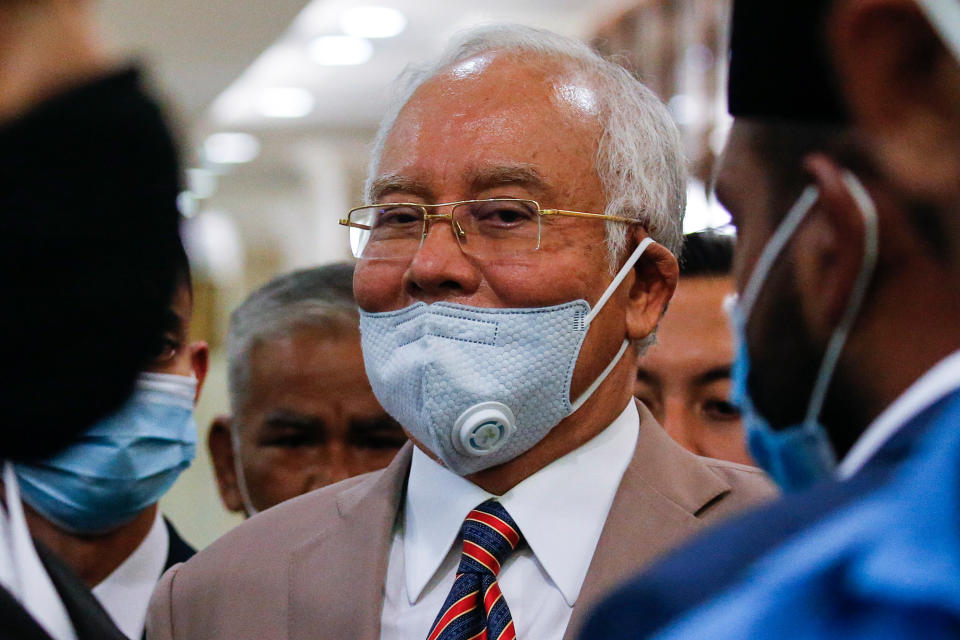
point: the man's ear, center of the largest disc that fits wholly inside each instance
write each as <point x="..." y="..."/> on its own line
<point x="200" y="363"/>
<point x="657" y="273"/>
<point x="903" y="89"/>
<point x="827" y="252"/>
<point x="221" y="454"/>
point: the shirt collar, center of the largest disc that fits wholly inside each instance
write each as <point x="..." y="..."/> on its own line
<point x="933" y="385"/>
<point x="560" y="509"/>
<point x="126" y="592"/>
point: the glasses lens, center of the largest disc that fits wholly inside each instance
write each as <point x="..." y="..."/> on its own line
<point x="385" y="231"/>
<point x="498" y="227"/>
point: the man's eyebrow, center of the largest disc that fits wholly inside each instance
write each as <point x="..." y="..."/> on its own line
<point x="713" y="375"/>
<point x="393" y="183"/>
<point x="284" y="418"/>
<point x="503" y="176"/>
<point x="172" y="322"/>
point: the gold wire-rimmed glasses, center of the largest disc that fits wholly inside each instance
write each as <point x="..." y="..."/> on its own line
<point x="484" y="228"/>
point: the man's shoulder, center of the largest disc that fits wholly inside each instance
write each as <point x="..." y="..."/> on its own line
<point x="281" y="528"/>
<point x="716" y="558"/>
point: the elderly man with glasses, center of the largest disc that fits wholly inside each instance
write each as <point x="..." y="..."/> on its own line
<point x="527" y="203"/>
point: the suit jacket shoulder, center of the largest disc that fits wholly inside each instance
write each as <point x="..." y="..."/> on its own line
<point x="303" y="568"/>
<point x="666" y="496"/>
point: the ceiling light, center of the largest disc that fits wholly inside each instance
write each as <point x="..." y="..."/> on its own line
<point x="340" y="50"/>
<point x="230" y="148"/>
<point x="285" y="102"/>
<point x="372" y="22"/>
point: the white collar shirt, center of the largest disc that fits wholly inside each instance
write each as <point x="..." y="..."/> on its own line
<point x="937" y="382"/>
<point x="560" y="510"/>
<point x="22" y="573"/>
<point x="125" y="593"/>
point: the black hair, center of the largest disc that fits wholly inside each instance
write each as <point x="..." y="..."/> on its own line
<point x="706" y="253"/>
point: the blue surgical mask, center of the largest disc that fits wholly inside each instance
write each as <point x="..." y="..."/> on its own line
<point x="479" y="386"/>
<point x="797" y="456"/>
<point x="121" y="465"/>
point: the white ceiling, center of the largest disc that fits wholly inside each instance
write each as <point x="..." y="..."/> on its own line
<point x="197" y="49"/>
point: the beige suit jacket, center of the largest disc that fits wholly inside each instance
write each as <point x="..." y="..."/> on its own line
<point x="313" y="568"/>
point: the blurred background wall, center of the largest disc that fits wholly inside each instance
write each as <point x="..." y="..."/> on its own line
<point x="277" y="102"/>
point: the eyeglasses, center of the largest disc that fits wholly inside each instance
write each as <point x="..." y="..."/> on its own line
<point x="484" y="228"/>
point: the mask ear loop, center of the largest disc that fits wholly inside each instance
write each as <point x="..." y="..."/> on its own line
<point x="238" y="471"/>
<point x="772" y="251"/>
<point x="614" y="285"/>
<point x="837" y="341"/>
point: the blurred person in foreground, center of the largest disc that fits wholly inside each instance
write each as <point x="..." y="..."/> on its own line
<point x="88" y="253"/>
<point x="94" y="503"/>
<point x="848" y="330"/>
<point x="303" y="414"/>
<point x="473" y="296"/>
<point x="684" y="379"/>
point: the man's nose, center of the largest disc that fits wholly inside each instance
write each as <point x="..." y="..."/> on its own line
<point x="439" y="269"/>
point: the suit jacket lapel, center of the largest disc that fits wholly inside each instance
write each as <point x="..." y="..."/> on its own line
<point x="352" y="587"/>
<point x="89" y="619"/>
<point x="662" y="490"/>
<point x="16" y="622"/>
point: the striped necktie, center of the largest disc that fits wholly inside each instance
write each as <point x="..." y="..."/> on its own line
<point x="475" y="608"/>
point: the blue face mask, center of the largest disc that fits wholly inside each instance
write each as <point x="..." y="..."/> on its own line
<point x="797" y="456"/>
<point x="480" y="386"/>
<point x="121" y="465"/>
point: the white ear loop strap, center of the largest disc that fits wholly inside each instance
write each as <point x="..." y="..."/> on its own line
<point x="870" y="247"/>
<point x="624" y="270"/>
<point x="238" y="470"/>
<point x="614" y="285"/>
<point x="776" y="244"/>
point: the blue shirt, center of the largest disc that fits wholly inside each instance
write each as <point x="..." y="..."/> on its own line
<point x="887" y="566"/>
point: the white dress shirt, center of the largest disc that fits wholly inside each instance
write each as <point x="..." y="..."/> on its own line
<point x="126" y="592"/>
<point x="560" y="510"/>
<point x="937" y="382"/>
<point x="22" y="573"/>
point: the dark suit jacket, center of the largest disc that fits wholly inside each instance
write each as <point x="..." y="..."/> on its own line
<point x="89" y="619"/>
<point x="714" y="561"/>
<point x="179" y="550"/>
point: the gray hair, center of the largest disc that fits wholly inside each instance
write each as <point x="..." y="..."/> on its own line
<point x="640" y="157"/>
<point x="321" y="297"/>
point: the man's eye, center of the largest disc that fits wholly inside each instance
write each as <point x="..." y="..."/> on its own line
<point x="398" y="216"/>
<point x="166" y="350"/>
<point x="503" y="214"/>
<point x="721" y="410"/>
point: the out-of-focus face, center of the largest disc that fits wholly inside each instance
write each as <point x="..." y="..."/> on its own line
<point x="310" y="418"/>
<point x="684" y="379"/>
<point x="783" y="357"/>
<point x="493" y="127"/>
<point x="175" y="353"/>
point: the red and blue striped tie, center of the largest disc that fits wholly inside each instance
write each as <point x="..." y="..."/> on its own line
<point x="475" y="608"/>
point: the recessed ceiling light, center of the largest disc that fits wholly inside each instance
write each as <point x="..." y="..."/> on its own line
<point x="230" y="148"/>
<point x="340" y="50"/>
<point x="285" y="102"/>
<point x="372" y="22"/>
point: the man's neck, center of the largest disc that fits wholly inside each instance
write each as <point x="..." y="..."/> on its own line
<point x="92" y="558"/>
